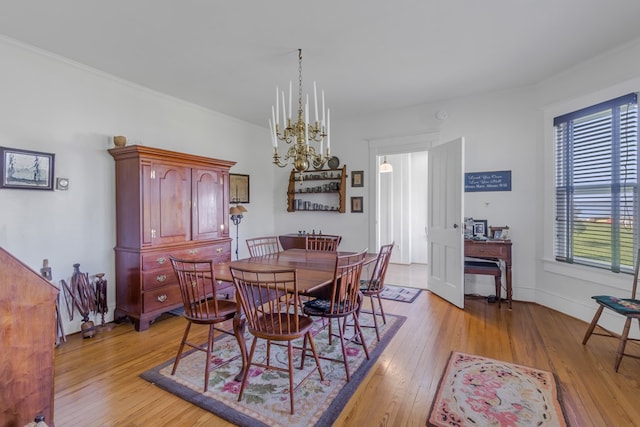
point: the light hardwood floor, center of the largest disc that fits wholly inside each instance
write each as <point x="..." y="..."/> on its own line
<point x="97" y="379"/>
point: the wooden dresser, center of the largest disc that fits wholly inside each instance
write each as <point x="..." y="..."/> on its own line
<point x="28" y="330"/>
<point x="167" y="204"/>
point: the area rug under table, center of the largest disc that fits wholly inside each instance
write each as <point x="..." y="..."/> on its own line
<point x="399" y="293"/>
<point x="265" y="401"/>
<point x="478" y="391"/>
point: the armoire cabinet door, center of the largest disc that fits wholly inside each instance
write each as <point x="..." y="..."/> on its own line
<point x="209" y="205"/>
<point x="169" y="204"/>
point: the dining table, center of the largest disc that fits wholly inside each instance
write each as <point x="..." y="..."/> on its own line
<point x="314" y="270"/>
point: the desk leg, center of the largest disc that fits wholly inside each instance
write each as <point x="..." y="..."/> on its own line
<point x="509" y="289"/>
<point x="239" y="324"/>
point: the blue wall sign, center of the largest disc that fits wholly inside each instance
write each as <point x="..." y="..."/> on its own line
<point x="487" y="181"/>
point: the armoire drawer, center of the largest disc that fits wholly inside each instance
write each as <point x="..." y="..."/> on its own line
<point x="160" y="298"/>
<point x="218" y="252"/>
<point x="156" y="278"/>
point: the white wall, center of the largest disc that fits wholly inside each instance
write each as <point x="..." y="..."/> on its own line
<point x="59" y="107"/>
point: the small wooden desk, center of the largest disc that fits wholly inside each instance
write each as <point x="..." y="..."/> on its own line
<point x="494" y="250"/>
<point x="315" y="270"/>
<point x="295" y="241"/>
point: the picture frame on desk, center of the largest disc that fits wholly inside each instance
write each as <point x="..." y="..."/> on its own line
<point x="499" y="233"/>
<point x="480" y="227"/>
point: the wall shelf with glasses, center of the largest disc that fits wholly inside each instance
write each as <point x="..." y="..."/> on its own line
<point x="317" y="190"/>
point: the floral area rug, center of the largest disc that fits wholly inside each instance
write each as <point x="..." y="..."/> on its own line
<point x="265" y="401"/>
<point x="478" y="391"/>
<point x="399" y="293"/>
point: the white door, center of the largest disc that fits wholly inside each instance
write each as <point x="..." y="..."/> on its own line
<point x="445" y="231"/>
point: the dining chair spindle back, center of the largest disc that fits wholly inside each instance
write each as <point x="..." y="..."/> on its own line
<point x="343" y="301"/>
<point x="259" y="246"/>
<point x="374" y="285"/>
<point x="272" y="307"/>
<point x="322" y="242"/>
<point x="198" y="288"/>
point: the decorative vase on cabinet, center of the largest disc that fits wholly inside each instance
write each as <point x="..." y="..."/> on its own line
<point x="167" y="204"/>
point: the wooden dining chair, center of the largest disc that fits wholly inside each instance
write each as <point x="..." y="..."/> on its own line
<point x="343" y="301"/>
<point x="273" y="311"/>
<point x="322" y="242"/>
<point x="627" y="307"/>
<point x="374" y="285"/>
<point x="198" y="288"/>
<point x="259" y="246"/>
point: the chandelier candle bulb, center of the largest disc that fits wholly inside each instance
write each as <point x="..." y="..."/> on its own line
<point x="323" y="122"/>
<point x="290" y="109"/>
<point x="284" y="113"/>
<point x="328" y="132"/>
<point x="306" y="122"/>
<point x="315" y="100"/>
<point x="277" y="120"/>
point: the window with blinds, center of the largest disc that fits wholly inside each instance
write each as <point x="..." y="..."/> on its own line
<point x="597" y="185"/>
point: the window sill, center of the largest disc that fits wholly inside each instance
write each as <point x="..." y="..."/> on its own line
<point x="589" y="274"/>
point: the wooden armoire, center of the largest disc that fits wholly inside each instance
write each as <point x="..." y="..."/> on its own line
<point x="167" y="204"/>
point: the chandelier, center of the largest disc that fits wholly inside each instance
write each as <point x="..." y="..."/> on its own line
<point x="306" y="140"/>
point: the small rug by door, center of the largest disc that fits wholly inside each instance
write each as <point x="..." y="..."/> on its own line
<point x="478" y="391"/>
<point x="400" y="293"/>
<point x="265" y="401"/>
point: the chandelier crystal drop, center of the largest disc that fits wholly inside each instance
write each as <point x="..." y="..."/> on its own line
<point x="309" y="143"/>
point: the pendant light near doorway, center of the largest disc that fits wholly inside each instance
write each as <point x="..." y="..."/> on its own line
<point x="385" y="167"/>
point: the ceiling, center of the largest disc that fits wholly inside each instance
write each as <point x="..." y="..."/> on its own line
<point x="368" y="55"/>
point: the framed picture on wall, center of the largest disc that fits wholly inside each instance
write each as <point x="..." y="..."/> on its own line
<point x="356" y="204"/>
<point x="357" y="178"/>
<point x="24" y="169"/>
<point x="238" y="188"/>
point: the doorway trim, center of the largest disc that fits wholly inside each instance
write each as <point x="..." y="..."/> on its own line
<point x="388" y="146"/>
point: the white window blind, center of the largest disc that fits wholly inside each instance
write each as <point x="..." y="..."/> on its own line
<point x="597" y="185"/>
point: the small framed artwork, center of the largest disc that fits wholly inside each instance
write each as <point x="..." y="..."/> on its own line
<point x="357" y="178"/>
<point x="238" y="188"/>
<point x="499" y="233"/>
<point x="480" y="227"/>
<point x="24" y="169"/>
<point x="356" y="204"/>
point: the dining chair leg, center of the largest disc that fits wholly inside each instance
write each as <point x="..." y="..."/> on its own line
<point x="247" y="368"/>
<point x="344" y="350"/>
<point x="375" y="317"/>
<point x="358" y="330"/>
<point x="330" y="330"/>
<point x="207" y="366"/>
<point x="498" y="281"/>
<point x="384" y="318"/>
<point x="304" y="350"/>
<point x="623" y="342"/>
<point x="291" y="388"/>
<point x="179" y="355"/>
<point x="268" y="352"/>
<point x="593" y="324"/>
<point x="315" y="354"/>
